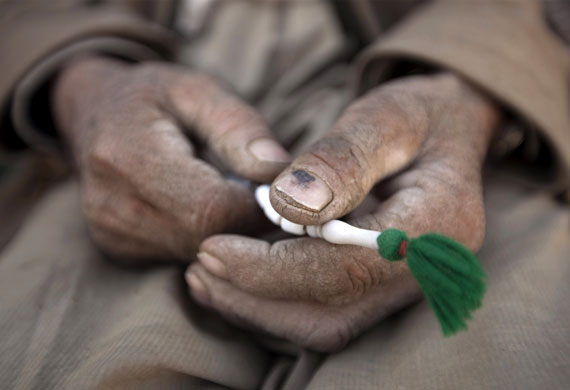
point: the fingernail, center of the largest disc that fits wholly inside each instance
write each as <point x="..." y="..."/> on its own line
<point x="304" y="189"/>
<point x="213" y="265"/>
<point x="266" y="149"/>
<point x="199" y="289"/>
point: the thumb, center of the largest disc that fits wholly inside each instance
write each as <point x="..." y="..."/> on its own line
<point x="232" y="128"/>
<point x="373" y="139"/>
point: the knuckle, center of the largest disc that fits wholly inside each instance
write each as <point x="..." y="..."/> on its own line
<point x="206" y="223"/>
<point x="102" y="155"/>
<point x="108" y="156"/>
<point x="360" y="150"/>
<point x="358" y="274"/>
<point x="112" y="250"/>
<point x="330" y="338"/>
<point x="104" y="241"/>
<point x="98" y="222"/>
<point x="287" y="256"/>
<point x="207" y="215"/>
<point x="344" y="163"/>
<point x="106" y="160"/>
<point x="122" y="248"/>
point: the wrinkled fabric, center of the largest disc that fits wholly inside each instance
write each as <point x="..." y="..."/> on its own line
<point x="70" y="318"/>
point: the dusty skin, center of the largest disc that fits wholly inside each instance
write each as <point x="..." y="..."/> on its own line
<point x="423" y="139"/>
<point x="145" y="194"/>
<point x="417" y="143"/>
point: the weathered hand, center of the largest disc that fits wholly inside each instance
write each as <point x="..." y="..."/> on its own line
<point x="424" y="139"/>
<point x="144" y="192"/>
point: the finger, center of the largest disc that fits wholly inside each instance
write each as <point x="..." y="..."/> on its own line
<point x="311" y="325"/>
<point x="315" y="270"/>
<point x="125" y="248"/>
<point x="233" y="129"/>
<point x="158" y="166"/>
<point x="300" y="269"/>
<point x="374" y="138"/>
<point x="291" y="320"/>
<point x="124" y="225"/>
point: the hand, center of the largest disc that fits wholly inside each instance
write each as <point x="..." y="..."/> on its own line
<point x="144" y="192"/>
<point x="423" y="139"/>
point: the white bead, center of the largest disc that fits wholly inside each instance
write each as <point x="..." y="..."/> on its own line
<point x="335" y="231"/>
<point x="262" y="197"/>
<point x="291" y="227"/>
<point x="314" y="231"/>
<point x="338" y="232"/>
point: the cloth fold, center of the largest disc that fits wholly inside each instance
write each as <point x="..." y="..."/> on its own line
<point x="503" y="47"/>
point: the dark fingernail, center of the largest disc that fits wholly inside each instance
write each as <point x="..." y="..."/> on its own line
<point x="304" y="189"/>
<point x="213" y="265"/>
<point x="199" y="289"/>
<point x="266" y="149"/>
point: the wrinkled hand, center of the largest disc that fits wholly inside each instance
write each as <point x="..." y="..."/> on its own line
<point x="423" y="139"/>
<point x="144" y="192"/>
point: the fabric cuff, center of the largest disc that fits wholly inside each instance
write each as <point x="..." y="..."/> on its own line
<point x="30" y="111"/>
<point x="504" y="48"/>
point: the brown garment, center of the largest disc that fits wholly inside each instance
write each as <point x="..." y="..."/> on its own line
<point x="503" y="46"/>
<point x="71" y="319"/>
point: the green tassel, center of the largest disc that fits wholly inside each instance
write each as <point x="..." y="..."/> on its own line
<point x="449" y="274"/>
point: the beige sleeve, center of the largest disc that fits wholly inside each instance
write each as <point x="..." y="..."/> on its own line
<point x="504" y="47"/>
<point x="34" y="41"/>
